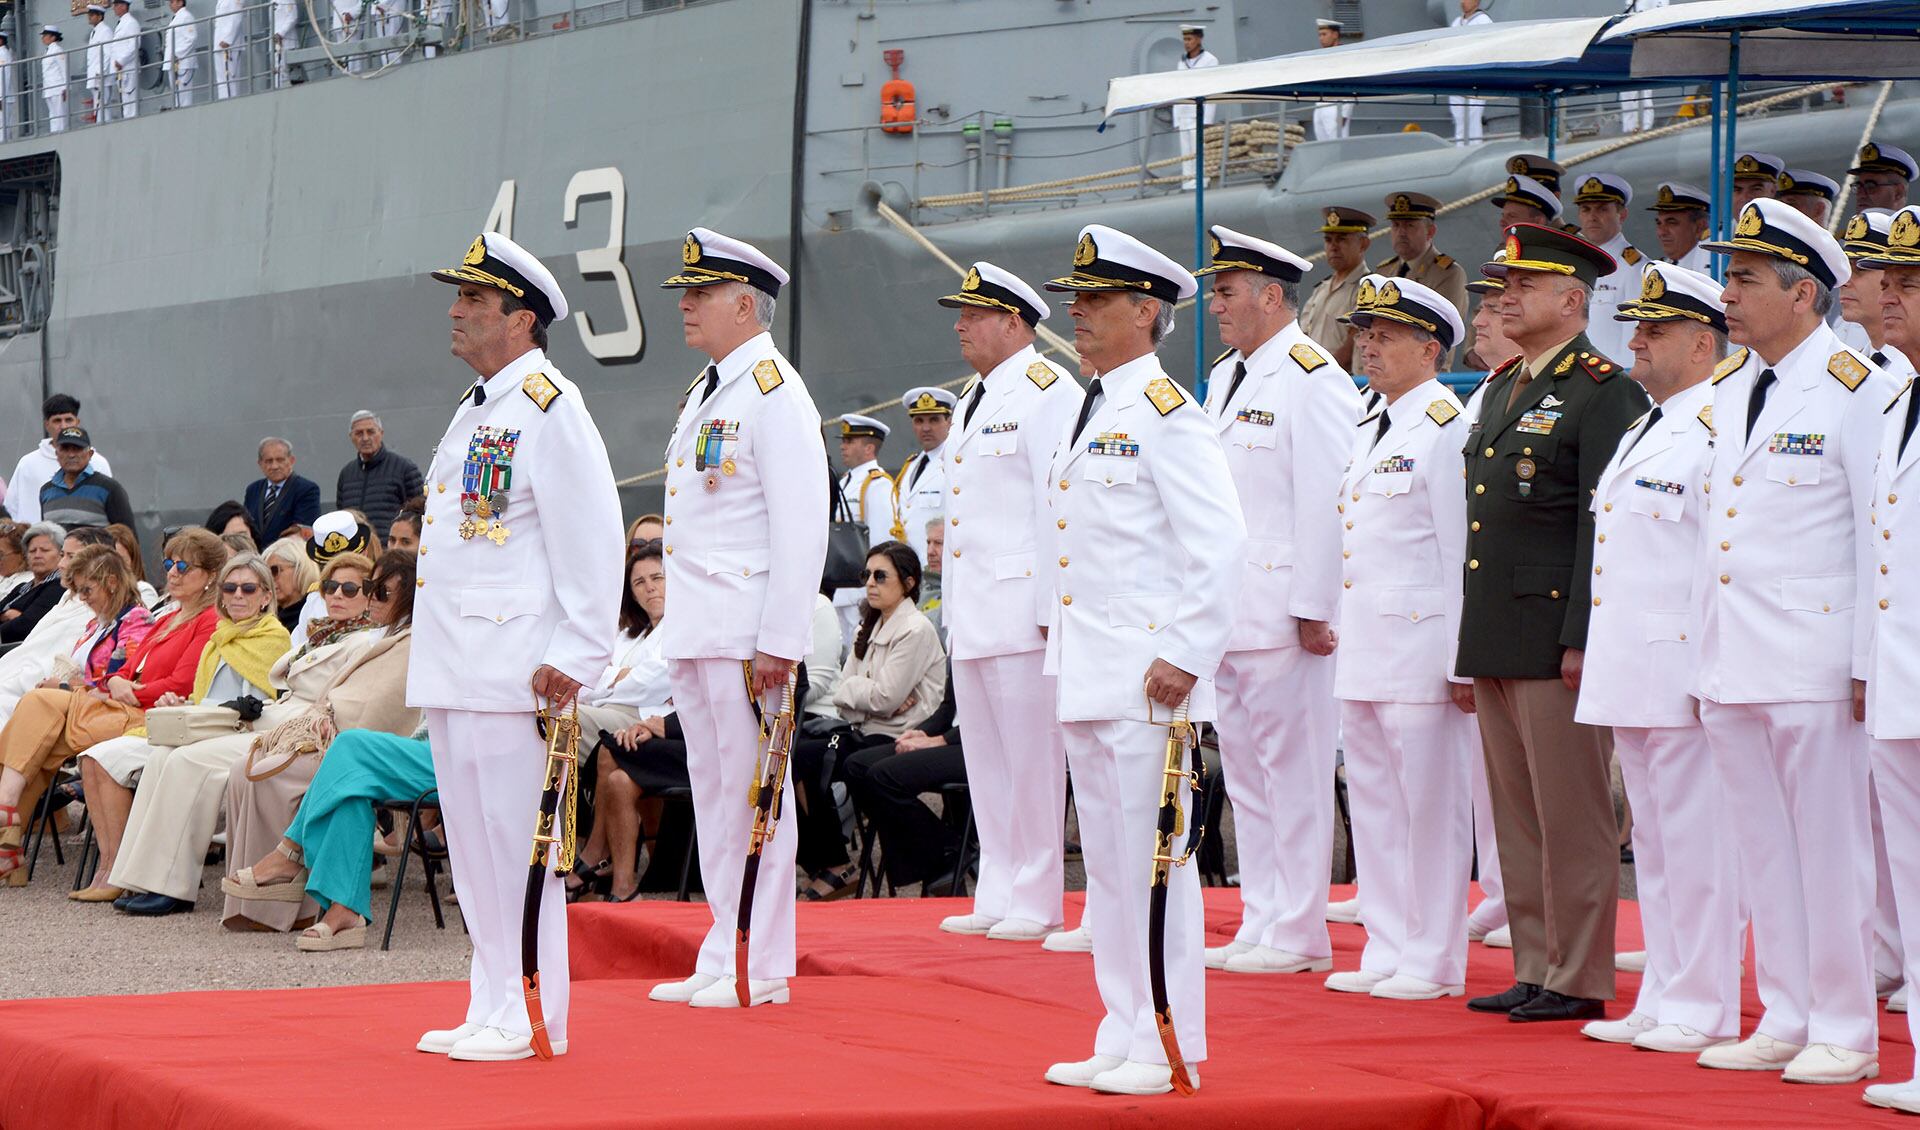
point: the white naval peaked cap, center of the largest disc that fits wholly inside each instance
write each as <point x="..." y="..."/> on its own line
<point x="49" y="29"/>
<point x="1526" y="190"/>
<point x="1109" y="259"/>
<point x="496" y="261"/>
<point x="853" y="425"/>
<point x="100" y="8"/>
<point x="1749" y="164"/>
<point x="1679" y="196"/>
<point x="927" y="400"/>
<point x="708" y="258"/>
<point x="1879" y="157"/>
<point x="337" y="532"/>
<point x="1410" y="303"/>
<point x="1806" y="182"/>
<point x="1776" y="228"/>
<point x="1903" y="241"/>
<point x="1866" y="234"/>
<point x="1601" y="188"/>
<point x="995" y="288"/>
<point x="1672" y="293"/>
<point x="1237" y="251"/>
<point x="1325" y="22"/>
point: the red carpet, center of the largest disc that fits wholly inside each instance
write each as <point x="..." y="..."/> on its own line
<point x="893" y="1024"/>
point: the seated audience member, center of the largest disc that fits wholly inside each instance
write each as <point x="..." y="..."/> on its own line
<point x="106" y="696"/>
<point x="295" y="580"/>
<point x="33" y="598"/>
<point x="129" y="544"/>
<point x="817" y="712"/>
<point x="239" y="545"/>
<point x="646" y="528"/>
<point x="13" y="558"/>
<point x="334" y="533"/>
<point x="52" y="642"/>
<point x="888" y="781"/>
<point x="236" y="663"/>
<point x="231" y="517"/>
<point x="893" y="682"/>
<point x="404" y="534"/>
<point x="369" y="694"/>
<point x="183" y="790"/>
<point x="280" y="501"/>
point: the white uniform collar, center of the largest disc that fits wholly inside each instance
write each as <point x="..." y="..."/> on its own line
<point x="1816" y="346"/>
<point x="1266" y="359"/>
<point x="742" y="359"/>
<point x="1421" y="394"/>
<point x="1132" y="376"/>
<point x="514" y="371"/>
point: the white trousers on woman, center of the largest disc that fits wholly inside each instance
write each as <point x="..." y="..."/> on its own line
<point x="182" y="792"/>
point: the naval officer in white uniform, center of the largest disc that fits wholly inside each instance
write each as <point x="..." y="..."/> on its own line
<point x="123" y="55"/>
<point x="746" y="540"/>
<point x="1410" y="734"/>
<point x="1149" y="538"/>
<point x="53" y="78"/>
<point x="1284" y="412"/>
<point x="867" y="490"/>
<point x="1785" y="557"/>
<point x="514" y="609"/>
<point x="1602" y="200"/>
<point x="995" y="598"/>
<point x="1648" y="508"/>
<point x="920" y="489"/>
<point x="1680" y="223"/>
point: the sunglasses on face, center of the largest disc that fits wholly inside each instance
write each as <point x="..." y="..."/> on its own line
<point x="169" y="565"/>
<point x="381" y="590"/>
<point x="880" y="576"/>
<point x="248" y="587"/>
<point x="276" y="570"/>
<point x="348" y="589"/>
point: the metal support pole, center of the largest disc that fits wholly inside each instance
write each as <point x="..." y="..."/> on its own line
<point x="1553" y="125"/>
<point x="1717" y="169"/>
<point x="1200" y="250"/>
<point x="1732" y="111"/>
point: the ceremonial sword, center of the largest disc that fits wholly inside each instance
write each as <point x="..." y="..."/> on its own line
<point x="563" y="761"/>
<point x="764" y="796"/>
<point x="1182" y="741"/>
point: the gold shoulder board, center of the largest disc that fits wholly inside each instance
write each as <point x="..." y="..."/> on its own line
<point x="1443" y="261"/>
<point x="876" y="473"/>
<point x="1042" y="375"/>
<point x="1164" y="395"/>
<point x="1847" y="369"/>
<point x="1384" y="264"/>
<point x="1632" y="255"/>
<point x="540" y="390"/>
<point x="1440" y="412"/>
<point x="1727" y="368"/>
<point x="1897" y="396"/>
<point x="766" y="374"/>
<point x="1306" y="356"/>
<point x="1706" y="417"/>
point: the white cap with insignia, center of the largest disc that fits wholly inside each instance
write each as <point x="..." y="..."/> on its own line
<point x="335" y="533"/>
<point x="1109" y="259"/>
<point x="1777" y="229"/>
<point x="496" y="261"/>
<point x="1603" y="188"/>
<point x="992" y="288"/>
<point x="1410" y="303"/>
<point x="1237" y="251"/>
<point x="1806" y="182"/>
<point x="854" y="426"/>
<point x="928" y="401"/>
<point x="1525" y="190"/>
<point x="1672" y="293"/>
<point x="708" y="258"/>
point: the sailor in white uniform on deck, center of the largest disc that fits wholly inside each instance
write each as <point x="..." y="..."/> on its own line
<point x="920" y="489"/>
<point x="867" y="490"/>
<point x="53" y="78"/>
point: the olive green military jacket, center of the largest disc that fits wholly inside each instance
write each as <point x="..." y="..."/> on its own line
<point x="1531" y="472"/>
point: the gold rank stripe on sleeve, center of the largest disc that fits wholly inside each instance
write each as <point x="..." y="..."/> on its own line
<point x="1706" y="418"/>
<point x="1040" y="373"/>
<point x="540" y="390"/>
<point x="1440" y="412"/>
<point x="1847" y="369"/>
<point x="1164" y="395"/>
<point x="1306" y="356"/>
<point x="766" y="374"/>
<point x="1897" y="396"/>
<point x="1731" y="365"/>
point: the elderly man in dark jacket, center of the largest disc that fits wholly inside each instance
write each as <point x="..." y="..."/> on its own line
<point x="376" y="482"/>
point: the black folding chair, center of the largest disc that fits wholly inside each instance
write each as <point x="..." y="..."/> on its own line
<point x="414" y="841"/>
<point x="956" y="793"/>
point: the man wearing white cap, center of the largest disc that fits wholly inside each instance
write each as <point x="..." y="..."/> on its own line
<point x="98" y="35"/>
<point x="1524" y="200"/>
<point x="746" y="542"/>
<point x="1756" y="176"/>
<point x="1864" y="238"/>
<point x="920" y="489"/>
<point x="996" y="598"/>
<point x="1648" y="509"/>
<point x="868" y="492"/>
<point x="180" y="59"/>
<point x="513" y="612"/>
<point x="1892" y="675"/>
<point x="1602" y="200"/>
<point x="1680" y="223"/>
<point x="53" y="78"/>
<point x="1469" y="114"/>
<point x="1881" y="174"/>
<point x="1410" y="738"/>
<point x="124" y="56"/>
<point x="1150" y="543"/>
<point x="229" y="46"/>
<point x="1330" y="119"/>
<point x="1193" y="56"/>
<point x="1284" y="412"/>
<point x="1784" y="557"/>
<point x="1811" y="193"/>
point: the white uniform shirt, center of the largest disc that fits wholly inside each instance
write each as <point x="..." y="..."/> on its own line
<point x="1403" y="520"/>
<point x="1893" y="664"/>
<point x="1610" y="338"/>
<point x="1698" y="259"/>
<point x="744" y="551"/>
<point x="1183" y="111"/>
<point x="228" y="16"/>
<point x="35" y="470"/>
<point x="1474" y="20"/>
<point x="487" y="612"/>
<point x="869" y="495"/>
<point x="182" y="34"/>
<point x="922" y="498"/>
<point x="124" y="54"/>
<point x="53" y="71"/>
<point x="1647" y="512"/>
<point x="994" y="594"/>
<point x="97" y="39"/>
<point x="1791" y="505"/>
<point x="1151" y="551"/>
<point x="1288" y="433"/>
<point x="9" y="83"/>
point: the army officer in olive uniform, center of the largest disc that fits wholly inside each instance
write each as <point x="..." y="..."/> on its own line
<point x="1410" y="216"/>
<point x="1547" y="423"/>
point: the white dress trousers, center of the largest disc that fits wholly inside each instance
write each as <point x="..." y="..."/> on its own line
<point x="1016" y="776"/>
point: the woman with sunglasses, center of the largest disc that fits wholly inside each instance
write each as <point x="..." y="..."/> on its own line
<point x="183" y="790"/>
<point x="369" y="695"/>
<point x="52" y="724"/>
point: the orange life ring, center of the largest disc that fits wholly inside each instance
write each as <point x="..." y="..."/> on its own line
<point x="897" y="111"/>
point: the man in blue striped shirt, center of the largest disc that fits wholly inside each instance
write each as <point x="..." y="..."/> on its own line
<point x="78" y="495"/>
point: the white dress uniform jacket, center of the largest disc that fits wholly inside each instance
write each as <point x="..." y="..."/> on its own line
<point x="1647" y="511"/>
<point x="229" y="28"/>
<point x="53" y="87"/>
<point x="920" y="498"/>
<point x="1405" y="538"/>
<point x="1698" y="259"/>
<point x="1610" y="338"/>
<point x="994" y="594"/>
<point x="9" y="87"/>
<point x="124" y="57"/>
<point x="487" y="614"/>
<point x="1151" y="554"/>
<point x="1287" y="432"/>
<point x="1806" y="468"/>
<point x="744" y="550"/>
<point x="1893" y="666"/>
<point x="182" y="36"/>
<point x="98" y="36"/>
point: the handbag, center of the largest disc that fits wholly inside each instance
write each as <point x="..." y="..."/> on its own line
<point x="185" y="725"/>
<point x="846" y="542"/>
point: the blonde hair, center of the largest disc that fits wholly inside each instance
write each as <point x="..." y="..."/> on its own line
<point x="102" y="565"/>
<point x="358" y="561"/>
<point x="200" y="549"/>
<point x="293" y="551"/>
<point x="258" y="565"/>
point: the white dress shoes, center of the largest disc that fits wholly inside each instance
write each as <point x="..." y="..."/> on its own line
<point x="1677" y="1038"/>
<point x="1018" y="930"/>
<point x="1895" y="1096"/>
<point x="1266" y="959"/>
<point x="1830" y="1063"/>
<point x="1500" y="938"/>
<point x="1347" y="910"/>
<point x="1083" y="1073"/>
<point x="440" y="1041"/>
<point x="1631" y="961"/>
<point x="1477" y="930"/>
<point x="1217" y="955"/>
<point x="1625" y="1030"/>
<point x="497" y="1045"/>
<point x="680" y="992"/>
<point x="1135" y="1078"/>
<point x="1886" y="984"/>
<point x="1758" y="1052"/>
<point x="968" y="924"/>
<point x="1898" y="1001"/>
<point x="1077" y="940"/>
<point x="1401" y="987"/>
<point x="721" y="994"/>
<point x="1354" y="981"/>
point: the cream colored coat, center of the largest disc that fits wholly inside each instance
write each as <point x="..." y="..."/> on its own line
<point x="904" y="663"/>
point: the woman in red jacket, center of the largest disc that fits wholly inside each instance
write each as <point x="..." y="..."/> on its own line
<point x="52" y="724"/>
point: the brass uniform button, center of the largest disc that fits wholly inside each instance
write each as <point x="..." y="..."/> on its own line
<point x="669" y="520"/>
<point x="671" y="491"/>
<point x="1063" y="563"/>
<point x="1725" y="580"/>
<point x="955" y="521"/>
<point x="1489" y="452"/>
<point x="1600" y="537"/>
<point x="1062" y="523"/>
<point x="1553" y="594"/>
<point x="958" y="460"/>
<point x="1608" y="507"/>
<point x="1349" y="525"/>
<point x="1341" y="507"/>
<point x="679" y="462"/>
<point x="429" y="519"/>
<point x="1596" y="602"/>
<point x="1356" y="496"/>
<point x="1596" y="570"/>
<point x="1479" y="488"/>
<point x="1475" y="527"/>
<point x="669" y="551"/>
<point x="1063" y="484"/>
<point x="1731" y="511"/>
<point x="420" y="583"/>
<point x="1883" y="604"/>
<point x="1726" y="545"/>
<point x="1474" y="564"/>
<point x="440" y="487"/>
<point x="1346" y="584"/>
<point x="956" y="490"/>
<point x="1066" y="600"/>
<point x="956" y="553"/>
<point x="1737" y="480"/>
<point x="1526" y="451"/>
<point x="1345" y="553"/>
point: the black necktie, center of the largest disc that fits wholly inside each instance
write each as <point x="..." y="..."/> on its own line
<point x="1086" y="409"/>
<point x="1913" y="412"/>
<point x="1757" y="399"/>
<point x="713" y="382"/>
<point x="1402" y="272"/>
<point x="1380" y="432"/>
<point x="914" y="479"/>
<point x="1880" y="358"/>
<point x="478" y="392"/>
<point x="1653" y="418"/>
<point x="973" y="402"/>
<point x="1239" y="374"/>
